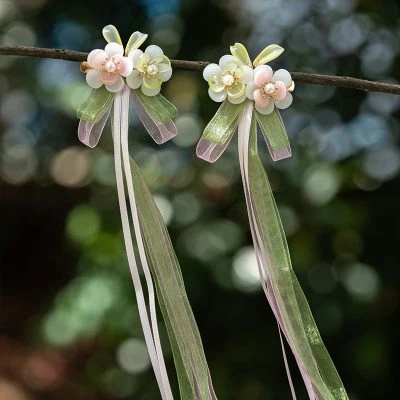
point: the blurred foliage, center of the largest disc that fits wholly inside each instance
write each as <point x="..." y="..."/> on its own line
<point x="69" y="322"/>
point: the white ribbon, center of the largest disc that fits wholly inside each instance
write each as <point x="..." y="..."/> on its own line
<point x="151" y="334"/>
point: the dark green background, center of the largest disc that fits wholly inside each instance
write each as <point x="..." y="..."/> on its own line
<point x="67" y="303"/>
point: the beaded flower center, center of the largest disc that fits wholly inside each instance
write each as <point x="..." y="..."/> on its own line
<point x="152" y="69"/>
<point x="228" y="79"/>
<point x="110" y="65"/>
<point x="269" y="89"/>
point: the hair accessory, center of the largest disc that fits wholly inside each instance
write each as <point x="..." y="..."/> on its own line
<point x="251" y="94"/>
<point x="115" y="79"/>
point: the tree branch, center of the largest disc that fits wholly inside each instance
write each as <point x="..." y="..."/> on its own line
<point x="299" y="77"/>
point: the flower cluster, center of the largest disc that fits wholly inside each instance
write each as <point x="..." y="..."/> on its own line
<point x="147" y="70"/>
<point x="235" y="80"/>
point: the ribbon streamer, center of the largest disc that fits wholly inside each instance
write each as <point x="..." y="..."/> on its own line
<point x="279" y="282"/>
<point x="154" y="248"/>
<point x="120" y="132"/>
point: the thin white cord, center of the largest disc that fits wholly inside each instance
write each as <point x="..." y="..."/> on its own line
<point x="128" y="243"/>
<point x="139" y="240"/>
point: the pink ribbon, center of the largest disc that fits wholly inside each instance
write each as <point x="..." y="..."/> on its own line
<point x="89" y="134"/>
<point x="210" y="151"/>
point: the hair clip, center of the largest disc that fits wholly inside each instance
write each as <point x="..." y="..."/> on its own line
<point x="236" y="84"/>
<point x="252" y="94"/>
<point x="112" y="75"/>
<point x="115" y="78"/>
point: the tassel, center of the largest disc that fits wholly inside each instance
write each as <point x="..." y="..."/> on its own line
<point x="277" y="277"/>
<point x="151" y="334"/>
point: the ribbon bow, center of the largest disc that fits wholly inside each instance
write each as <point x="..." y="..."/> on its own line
<point x="237" y="84"/>
<point x="252" y="96"/>
<point x="144" y="73"/>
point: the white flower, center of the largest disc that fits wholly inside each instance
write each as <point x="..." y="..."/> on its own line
<point x="107" y="67"/>
<point x="151" y="69"/>
<point x="228" y="79"/>
<point x="272" y="89"/>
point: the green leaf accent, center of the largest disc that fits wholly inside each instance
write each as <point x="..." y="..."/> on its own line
<point x="273" y="130"/>
<point x="187" y="348"/>
<point x="135" y="41"/>
<point x="296" y="314"/>
<point x="224" y="123"/>
<point x="268" y="54"/>
<point x="96" y="105"/>
<point x="111" y="34"/>
<point x="158" y="107"/>
<point x="240" y="52"/>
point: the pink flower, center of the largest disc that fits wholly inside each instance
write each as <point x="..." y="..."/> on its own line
<point x="107" y="67"/>
<point x="271" y="89"/>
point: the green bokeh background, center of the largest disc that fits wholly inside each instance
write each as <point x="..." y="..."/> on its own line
<point x="69" y="326"/>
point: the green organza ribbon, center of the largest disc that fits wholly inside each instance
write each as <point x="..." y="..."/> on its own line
<point x="191" y="365"/>
<point x="224" y="123"/>
<point x="273" y="130"/>
<point x="100" y="100"/>
<point x="158" y="107"/>
<point x="93" y="109"/>
<point x="295" y="311"/>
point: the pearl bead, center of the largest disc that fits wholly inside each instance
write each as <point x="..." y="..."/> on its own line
<point x="110" y="66"/>
<point x="228" y="80"/>
<point x="269" y="89"/>
<point x="152" y="69"/>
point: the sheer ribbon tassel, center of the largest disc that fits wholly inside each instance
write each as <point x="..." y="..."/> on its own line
<point x="154" y="248"/>
<point x="120" y="126"/>
<point x="278" y="280"/>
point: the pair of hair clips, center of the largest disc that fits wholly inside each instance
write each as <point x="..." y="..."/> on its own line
<point x="251" y="94"/>
<point x="235" y="81"/>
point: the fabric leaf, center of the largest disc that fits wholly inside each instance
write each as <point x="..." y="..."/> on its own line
<point x="137" y="38"/>
<point x="268" y="54"/>
<point x="240" y="52"/>
<point x="110" y="33"/>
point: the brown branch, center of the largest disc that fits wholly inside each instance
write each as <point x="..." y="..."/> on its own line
<point x="299" y="77"/>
